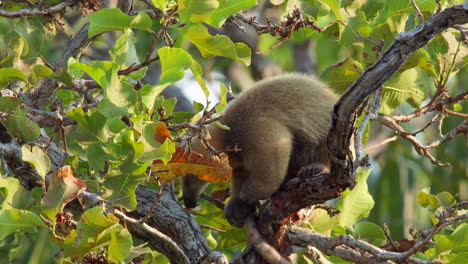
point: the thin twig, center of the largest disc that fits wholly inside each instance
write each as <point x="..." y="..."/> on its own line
<point x="38" y="12"/>
<point x="386" y="141"/>
<point x="420" y="15"/>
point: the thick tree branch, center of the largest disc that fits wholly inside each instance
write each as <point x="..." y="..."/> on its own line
<point x="359" y="251"/>
<point x="172" y="220"/>
<point x="158" y="240"/>
<point x="375" y="76"/>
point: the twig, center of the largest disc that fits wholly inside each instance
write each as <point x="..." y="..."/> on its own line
<point x="386" y="141"/>
<point x="213" y="228"/>
<point x="372" y="111"/>
<point x="290" y="24"/>
<point x="38" y="12"/>
<point x="389" y="238"/>
<point x="214" y="201"/>
<point x="387" y="121"/>
<point x="462" y="128"/>
<point x="155" y="203"/>
<point x="420" y="15"/>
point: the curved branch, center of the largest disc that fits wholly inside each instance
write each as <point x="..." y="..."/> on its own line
<point x="405" y="44"/>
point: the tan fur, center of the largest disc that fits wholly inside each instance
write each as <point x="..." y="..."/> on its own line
<point x="280" y="125"/>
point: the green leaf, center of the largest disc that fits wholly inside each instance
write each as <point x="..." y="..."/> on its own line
<point x="335" y="7"/>
<point x="15" y="220"/>
<point x="356" y="203"/>
<point x="93" y="232"/>
<point x="228" y="8"/>
<point x="370" y="231"/>
<point x="461" y="258"/>
<point x="322" y="222"/>
<point x="124" y="145"/>
<point x="39" y="71"/>
<point x="3" y="195"/>
<point x="392" y="8"/>
<point x="99" y="75"/>
<point x="153" y="149"/>
<point x="446" y="199"/>
<point x="198" y="73"/>
<point x="174" y="61"/>
<point x="456" y="242"/>
<point x="197" y="107"/>
<point x="161" y="4"/>
<point x="31" y="30"/>
<point x="20" y="126"/>
<point x="67" y="96"/>
<point x="37" y="158"/>
<point x="223" y="102"/>
<point x="97" y="156"/>
<point x="401" y="88"/>
<point x="222" y="126"/>
<point x="94" y="123"/>
<point x="109" y="19"/>
<point x="425" y="200"/>
<point x="120" y="99"/>
<point x="196" y="11"/>
<point x="9" y="104"/>
<point x="457" y="107"/>
<point x="11" y="74"/>
<point x="16" y="196"/>
<point x="124" y="52"/>
<point x="340" y="76"/>
<point x="120" y="187"/>
<point x="218" y="45"/>
<point x="63" y="76"/>
<point x="63" y="188"/>
<point x="119" y="245"/>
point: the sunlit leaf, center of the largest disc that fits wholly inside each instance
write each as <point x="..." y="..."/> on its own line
<point x="11" y="74"/>
<point x="39" y="71"/>
<point x="319" y="220"/>
<point x="425" y="200"/>
<point x="356" y="203"/>
<point x="340" y="76"/>
<point x="93" y="231"/>
<point x="228" y="8"/>
<point x="63" y="188"/>
<point x="120" y="244"/>
<point x="13" y="220"/>
<point x="371" y="231"/>
<point x="15" y="195"/>
<point x="37" y="157"/>
<point x="196" y="11"/>
<point x="401" y="88"/>
<point x="217" y="45"/>
<point x="120" y="187"/>
<point x="109" y="19"/>
<point x="174" y="61"/>
<point x="124" y="52"/>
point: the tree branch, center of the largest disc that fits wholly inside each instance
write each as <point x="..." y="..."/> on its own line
<point x="349" y="248"/>
<point x="405" y="44"/>
<point x="38" y="12"/>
